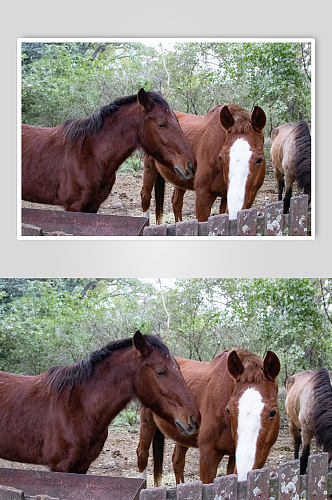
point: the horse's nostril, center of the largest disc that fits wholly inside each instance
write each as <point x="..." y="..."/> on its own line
<point x="193" y="422"/>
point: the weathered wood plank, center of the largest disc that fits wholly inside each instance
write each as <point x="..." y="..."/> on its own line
<point x="218" y="225"/>
<point x="289" y="480"/>
<point x="8" y="493"/>
<point x="187" y="228"/>
<point x="190" y="490"/>
<point x="298" y="216"/>
<point x="153" y="494"/>
<point x="225" y="487"/>
<point x="317" y="476"/>
<point x="247" y="222"/>
<point x="258" y="484"/>
<point x="30" y="230"/>
<point x="155" y="230"/>
<point x="273" y="219"/>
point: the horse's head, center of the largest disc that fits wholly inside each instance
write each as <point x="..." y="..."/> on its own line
<point x="161" y="136"/>
<point x="253" y="410"/>
<point x="160" y="386"/>
<point x="242" y="156"/>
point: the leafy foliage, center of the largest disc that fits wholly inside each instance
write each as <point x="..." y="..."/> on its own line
<point x="71" y="80"/>
<point x="59" y="321"/>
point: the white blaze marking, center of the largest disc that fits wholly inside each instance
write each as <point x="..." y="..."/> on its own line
<point x="249" y="424"/>
<point x="239" y="156"/>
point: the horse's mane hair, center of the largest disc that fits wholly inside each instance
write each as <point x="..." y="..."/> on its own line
<point x="302" y="157"/>
<point x="241" y="116"/>
<point x="322" y="411"/>
<point x="80" y="128"/>
<point x="66" y="377"/>
<point x="253" y="366"/>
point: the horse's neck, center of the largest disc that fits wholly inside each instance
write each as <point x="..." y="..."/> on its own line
<point x="119" y="135"/>
<point x="221" y="383"/>
<point x="111" y="387"/>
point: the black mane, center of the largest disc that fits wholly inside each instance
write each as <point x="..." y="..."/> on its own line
<point x="82" y="127"/>
<point x="322" y="412"/>
<point x="61" y="377"/>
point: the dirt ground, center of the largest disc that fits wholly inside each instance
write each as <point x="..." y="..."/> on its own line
<point x="118" y="457"/>
<point x="125" y="199"/>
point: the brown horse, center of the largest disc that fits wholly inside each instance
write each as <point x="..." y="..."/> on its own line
<point x="228" y="144"/>
<point x="291" y="159"/>
<point x="60" y="418"/>
<point x="309" y="411"/>
<point x="74" y="164"/>
<point x="236" y="394"/>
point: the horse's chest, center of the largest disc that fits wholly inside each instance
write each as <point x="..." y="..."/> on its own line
<point x="218" y="184"/>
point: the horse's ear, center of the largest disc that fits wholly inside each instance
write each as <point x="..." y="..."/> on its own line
<point x="271" y="365"/>
<point x="226" y="118"/>
<point x="141" y="344"/>
<point x="234" y="365"/>
<point x="144" y="99"/>
<point x="258" y="119"/>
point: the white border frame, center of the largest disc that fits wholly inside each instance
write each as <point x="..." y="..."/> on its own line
<point x="168" y="39"/>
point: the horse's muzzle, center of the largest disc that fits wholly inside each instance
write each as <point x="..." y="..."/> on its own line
<point x="187" y="430"/>
<point x="187" y="174"/>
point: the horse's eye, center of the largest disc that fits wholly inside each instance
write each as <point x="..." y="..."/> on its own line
<point x="162" y="125"/>
<point x="161" y="372"/>
<point x="259" y="160"/>
<point x="227" y="409"/>
<point x="272" y="413"/>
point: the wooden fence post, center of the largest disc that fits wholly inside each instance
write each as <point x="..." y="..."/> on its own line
<point x="187" y="228"/>
<point x="190" y="490"/>
<point x="317" y="476"/>
<point x="225" y="487"/>
<point x="155" y="230"/>
<point x="218" y="225"/>
<point x="273" y="219"/>
<point x="153" y="494"/>
<point x="8" y="493"/>
<point x="247" y="222"/>
<point x="258" y="484"/>
<point x="298" y="216"/>
<point x="289" y="480"/>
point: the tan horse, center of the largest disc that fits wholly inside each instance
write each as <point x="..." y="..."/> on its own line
<point x="309" y="411"/>
<point x="291" y="158"/>
<point x="236" y="394"/>
<point x="228" y="145"/>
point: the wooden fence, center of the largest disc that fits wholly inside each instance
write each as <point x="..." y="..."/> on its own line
<point x="248" y="223"/>
<point x="261" y="484"/>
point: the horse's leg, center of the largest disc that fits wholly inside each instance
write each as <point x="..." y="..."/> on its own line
<point x="204" y="202"/>
<point x="306" y="439"/>
<point x="289" y="181"/>
<point x="177" y="203"/>
<point x="295" y="431"/>
<point x="209" y="461"/>
<point x="149" y="176"/>
<point x="231" y="464"/>
<point x="281" y="185"/>
<point x="146" y="431"/>
<point x="179" y="460"/>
